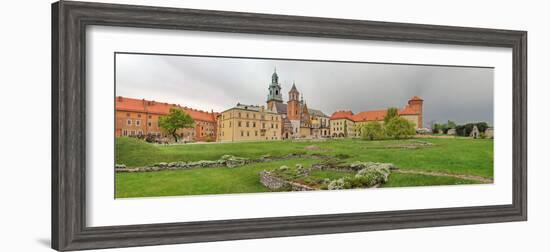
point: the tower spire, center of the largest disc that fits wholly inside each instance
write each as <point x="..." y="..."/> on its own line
<point x="274" y="89"/>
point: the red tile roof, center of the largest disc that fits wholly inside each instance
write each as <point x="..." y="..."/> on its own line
<point x="372" y="115"/>
<point x="160" y="108"/>
<point x="408" y="111"/>
<point x="342" y="115"/>
<point x="416" y="98"/>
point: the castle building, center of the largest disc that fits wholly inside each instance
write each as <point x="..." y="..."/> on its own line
<point x="342" y="124"/>
<point x="249" y="123"/>
<point x="275" y="121"/>
<point x="135" y="117"/>
<point x="298" y="120"/>
<point x="345" y="123"/>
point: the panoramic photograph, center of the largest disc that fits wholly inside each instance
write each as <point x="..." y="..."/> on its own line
<point x="202" y="125"/>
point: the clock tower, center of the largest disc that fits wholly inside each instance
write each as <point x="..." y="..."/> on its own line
<point x="274" y="95"/>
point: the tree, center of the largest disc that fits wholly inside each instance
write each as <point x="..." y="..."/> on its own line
<point x="450" y="124"/>
<point x="372" y="131"/>
<point x="399" y="127"/>
<point x="176" y="119"/>
<point x="444" y="127"/>
<point x="391" y="113"/>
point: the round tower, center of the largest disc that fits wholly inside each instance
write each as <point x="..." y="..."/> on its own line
<point x="416" y="103"/>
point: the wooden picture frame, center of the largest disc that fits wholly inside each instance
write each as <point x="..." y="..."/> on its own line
<point x="69" y="20"/>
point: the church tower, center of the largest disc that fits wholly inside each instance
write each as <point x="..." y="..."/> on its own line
<point x="293" y="108"/>
<point x="274" y="95"/>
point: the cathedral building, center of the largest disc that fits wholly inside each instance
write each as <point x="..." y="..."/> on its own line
<point x="298" y="120"/>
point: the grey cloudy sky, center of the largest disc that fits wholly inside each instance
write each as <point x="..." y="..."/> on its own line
<point x="461" y="94"/>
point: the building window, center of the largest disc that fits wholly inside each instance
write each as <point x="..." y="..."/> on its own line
<point x="247" y="133"/>
<point x="263" y="125"/>
<point x="150" y="116"/>
<point x="256" y="133"/>
<point x="242" y="133"/>
<point x="129" y="122"/>
<point x="128" y="114"/>
<point x="150" y="124"/>
<point x="229" y="124"/>
<point x="125" y="132"/>
<point x="254" y="124"/>
<point x="276" y="126"/>
<point x="239" y="123"/>
<point x="247" y="123"/>
<point x="138" y="122"/>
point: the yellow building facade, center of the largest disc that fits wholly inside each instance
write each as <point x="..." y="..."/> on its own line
<point x="249" y="123"/>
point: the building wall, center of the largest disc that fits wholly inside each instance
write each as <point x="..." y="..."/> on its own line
<point x="417" y="106"/>
<point x="205" y="131"/>
<point x="305" y="132"/>
<point x="130" y="123"/>
<point x="295" y="127"/>
<point x="321" y="126"/>
<point x="337" y="127"/>
<point x="414" y="119"/>
<point x="248" y="125"/>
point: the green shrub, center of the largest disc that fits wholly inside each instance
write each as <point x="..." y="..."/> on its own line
<point x="336" y="184"/>
<point x="372" y="131"/>
<point x="399" y="127"/>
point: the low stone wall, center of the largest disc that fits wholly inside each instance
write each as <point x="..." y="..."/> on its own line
<point x="353" y="167"/>
<point x="276" y="183"/>
<point x="225" y="161"/>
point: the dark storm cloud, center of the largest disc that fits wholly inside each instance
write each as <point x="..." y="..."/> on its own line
<point x="461" y="94"/>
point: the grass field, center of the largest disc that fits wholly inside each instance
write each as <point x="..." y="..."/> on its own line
<point x="461" y="156"/>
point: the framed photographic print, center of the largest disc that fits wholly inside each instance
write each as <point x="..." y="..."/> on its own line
<point x="177" y="125"/>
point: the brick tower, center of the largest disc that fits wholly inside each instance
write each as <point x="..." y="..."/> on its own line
<point x="293" y="109"/>
<point x="416" y="104"/>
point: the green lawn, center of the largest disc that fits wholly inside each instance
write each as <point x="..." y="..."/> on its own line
<point x="455" y="155"/>
<point x="403" y="179"/>
<point x="197" y="181"/>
